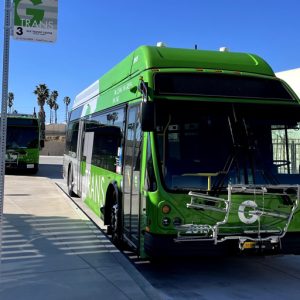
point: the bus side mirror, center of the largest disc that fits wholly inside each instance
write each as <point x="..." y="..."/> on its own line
<point x="42" y="143"/>
<point x="147" y="114"/>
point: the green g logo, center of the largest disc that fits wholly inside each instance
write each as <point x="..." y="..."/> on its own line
<point x="28" y="15"/>
<point x="245" y="212"/>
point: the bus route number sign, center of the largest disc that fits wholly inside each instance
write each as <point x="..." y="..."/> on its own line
<point x="35" y="20"/>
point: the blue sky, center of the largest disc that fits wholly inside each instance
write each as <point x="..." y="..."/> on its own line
<point x="94" y="35"/>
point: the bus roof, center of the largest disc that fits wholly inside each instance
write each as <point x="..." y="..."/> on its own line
<point x="150" y="57"/>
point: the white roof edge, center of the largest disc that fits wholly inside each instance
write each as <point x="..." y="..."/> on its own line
<point x="288" y="71"/>
<point x="87" y="94"/>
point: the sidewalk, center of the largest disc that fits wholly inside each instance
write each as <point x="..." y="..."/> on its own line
<point x="51" y="250"/>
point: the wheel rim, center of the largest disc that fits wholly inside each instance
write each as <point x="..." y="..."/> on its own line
<point x="70" y="182"/>
<point x="114" y="220"/>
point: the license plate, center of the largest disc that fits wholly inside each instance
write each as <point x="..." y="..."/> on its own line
<point x="30" y="166"/>
<point x="249" y="245"/>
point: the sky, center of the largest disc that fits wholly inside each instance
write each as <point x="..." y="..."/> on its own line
<point x="95" y="35"/>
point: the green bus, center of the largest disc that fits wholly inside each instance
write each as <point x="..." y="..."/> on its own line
<point x="22" y="143"/>
<point x="183" y="151"/>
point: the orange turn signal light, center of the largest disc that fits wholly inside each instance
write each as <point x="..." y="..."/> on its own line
<point x="166" y="209"/>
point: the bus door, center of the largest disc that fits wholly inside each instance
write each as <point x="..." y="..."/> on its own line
<point x="77" y="165"/>
<point x="131" y="177"/>
<point x="86" y="161"/>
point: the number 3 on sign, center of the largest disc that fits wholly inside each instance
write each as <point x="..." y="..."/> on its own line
<point x="19" y="31"/>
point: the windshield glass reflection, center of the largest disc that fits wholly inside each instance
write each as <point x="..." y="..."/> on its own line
<point x="204" y="146"/>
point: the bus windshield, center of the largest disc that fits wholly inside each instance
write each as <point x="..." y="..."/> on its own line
<point x="206" y="146"/>
<point x="22" y="137"/>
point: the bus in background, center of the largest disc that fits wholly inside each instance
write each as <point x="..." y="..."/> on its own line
<point x="185" y="151"/>
<point x="22" y="143"/>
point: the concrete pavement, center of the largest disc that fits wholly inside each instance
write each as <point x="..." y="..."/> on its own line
<point x="51" y="250"/>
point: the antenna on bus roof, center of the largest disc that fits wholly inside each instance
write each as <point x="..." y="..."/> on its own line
<point x="224" y="49"/>
<point x="161" y="44"/>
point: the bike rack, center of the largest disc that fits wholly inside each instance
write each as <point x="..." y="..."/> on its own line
<point x="206" y="232"/>
<point x="11" y="157"/>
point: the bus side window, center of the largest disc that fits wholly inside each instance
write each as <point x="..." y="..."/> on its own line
<point x="151" y="185"/>
<point x="108" y="132"/>
<point x="138" y="147"/>
<point x="105" y="148"/>
<point x="72" y="136"/>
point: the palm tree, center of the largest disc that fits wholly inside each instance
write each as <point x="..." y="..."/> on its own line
<point x="51" y="102"/>
<point x="67" y="101"/>
<point x="42" y="93"/>
<point x="11" y="98"/>
<point x="55" y="107"/>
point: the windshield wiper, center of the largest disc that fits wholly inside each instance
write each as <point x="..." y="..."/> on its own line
<point x="231" y="158"/>
<point x="242" y="151"/>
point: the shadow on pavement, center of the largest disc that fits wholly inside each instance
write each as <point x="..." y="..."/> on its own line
<point x="27" y="237"/>
<point x="58" y="258"/>
<point x="52" y="171"/>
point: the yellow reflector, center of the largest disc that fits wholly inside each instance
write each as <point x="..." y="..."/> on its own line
<point x="249" y="245"/>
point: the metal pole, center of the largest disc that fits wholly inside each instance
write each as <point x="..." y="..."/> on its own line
<point x="3" y="123"/>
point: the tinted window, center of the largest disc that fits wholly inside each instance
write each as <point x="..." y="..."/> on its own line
<point x="21" y="122"/>
<point x="228" y="143"/>
<point x="22" y="137"/>
<point x="220" y="85"/>
<point x="75" y="114"/>
<point x="72" y="137"/>
<point x="108" y="132"/>
<point x="105" y="148"/>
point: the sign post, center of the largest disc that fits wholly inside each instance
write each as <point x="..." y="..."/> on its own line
<point x="3" y="123"/>
<point x="34" y="20"/>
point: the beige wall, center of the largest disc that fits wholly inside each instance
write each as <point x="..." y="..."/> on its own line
<point x="55" y="140"/>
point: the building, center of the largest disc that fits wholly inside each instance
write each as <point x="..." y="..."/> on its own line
<point x="55" y="140"/>
<point x="291" y="77"/>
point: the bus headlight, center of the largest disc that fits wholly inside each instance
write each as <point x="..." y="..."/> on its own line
<point x="177" y="221"/>
<point x="166" y="221"/>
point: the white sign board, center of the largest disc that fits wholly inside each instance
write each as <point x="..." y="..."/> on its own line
<point x="35" y="20"/>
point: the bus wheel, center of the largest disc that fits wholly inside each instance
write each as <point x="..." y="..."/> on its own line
<point x="116" y="223"/>
<point x="70" y="182"/>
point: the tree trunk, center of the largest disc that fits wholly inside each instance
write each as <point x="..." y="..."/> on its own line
<point x="42" y="117"/>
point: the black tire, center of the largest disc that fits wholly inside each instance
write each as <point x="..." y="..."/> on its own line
<point x="70" y="182"/>
<point x="34" y="170"/>
<point x="116" y="222"/>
